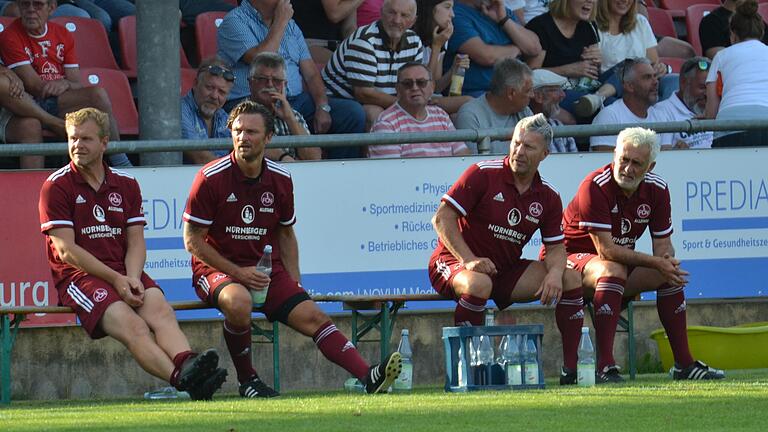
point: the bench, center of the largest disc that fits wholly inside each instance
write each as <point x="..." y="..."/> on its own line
<point x="369" y="313"/>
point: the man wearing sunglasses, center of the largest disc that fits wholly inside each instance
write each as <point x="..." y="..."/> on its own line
<point x="688" y="103"/>
<point x="202" y="116"/>
<point x="413" y="113"/>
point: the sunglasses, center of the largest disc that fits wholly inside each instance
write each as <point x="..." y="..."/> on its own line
<point x="408" y="83"/>
<point x="37" y="5"/>
<point x="263" y="79"/>
<point x="219" y="71"/>
<point x="702" y="65"/>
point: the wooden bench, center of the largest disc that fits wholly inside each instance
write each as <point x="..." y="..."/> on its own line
<point x="369" y="313"/>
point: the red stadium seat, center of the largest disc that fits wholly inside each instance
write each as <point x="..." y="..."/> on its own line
<point x="91" y="42"/>
<point x="126" y="32"/>
<point x="5" y="22"/>
<point x="762" y="9"/>
<point x="675" y="62"/>
<point x="678" y="8"/>
<point x="661" y="22"/>
<point x="119" y="91"/>
<point x="234" y="2"/>
<point x="187" y="79"/>
<point x="693" y="17"/>
<point x="206" y="25"/>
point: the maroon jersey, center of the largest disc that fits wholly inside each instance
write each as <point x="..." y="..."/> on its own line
<point x="48" y="54"/>
<point x="241" y="213"/>
<point x="496" y="220"/>
<point x="600" y="205"/>
<point x="99" y="218"/>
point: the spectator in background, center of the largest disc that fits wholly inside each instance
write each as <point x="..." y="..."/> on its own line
<point x="505" y="103"/>
<point x="715" y="32"/>
<point x="434" y="26"/>
<point x="688" y="103"/>
<point x="266" y="79"/>
<point x="364" y="67"/>
<point x="547" y="95"/>
<point x="369" y="12"/>
<point x="42" y="54"/>
<point x="487" y="32"/>
<point x="190" y="9"/>
<point x="641" y="91"/>
<point x="413" y="113"/>
<point x="202" y="116"/>
<point x="518" y="9"/>
<point x="534" y="8"/>
<point x="266" y="25"/>
<point x="15" y="128"/>
<point x="326" y="22"/>
<point x="740" y="71"/>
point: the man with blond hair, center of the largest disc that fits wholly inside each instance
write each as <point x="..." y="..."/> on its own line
<point x="93" y="221"/>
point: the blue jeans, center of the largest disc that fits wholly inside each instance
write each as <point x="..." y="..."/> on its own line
<point x="347" y="116"/>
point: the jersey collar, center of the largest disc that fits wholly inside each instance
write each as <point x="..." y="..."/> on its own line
<point x="641" y="192"/>
<point x="109" y="177"/>
<point x="509" y="178"/>
<point x="263" y="178"/>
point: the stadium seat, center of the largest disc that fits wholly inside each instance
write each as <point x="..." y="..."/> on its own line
<point x="119" y="91"/>
<point x="187" y="79"/>
<point x="762" y="9"/>
<point x="678" y="8"/>
<point x="661" y="22"/>
<point x="206" y="25"/>
<point x="91" y="42"/>
<point x="675" y="62"/>
<point x="5" y="22"/>
<point x="126" y="31"/>
<point x="693" y="17"/>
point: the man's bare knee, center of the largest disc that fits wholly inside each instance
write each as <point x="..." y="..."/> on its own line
<point x="611" y="269"/>
<point x="571" y="280"/>
<point x="475" y="284"/>
<point x="235" y="303"/>
<point x="24" y="130"/>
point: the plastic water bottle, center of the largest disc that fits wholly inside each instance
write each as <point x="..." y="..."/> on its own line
<point x="265" y="266"/>
<point x="530" y="356"/>
<point x="513" y="366"/>
<point x="166" y="393"/>
<point x="457" y="81"/>
<point x="585" y="370"/>
<point x="404" y="382"/>
<point x="485" y="360"/>
<point x="353" y="385"/>
<point x="461" y="378"/>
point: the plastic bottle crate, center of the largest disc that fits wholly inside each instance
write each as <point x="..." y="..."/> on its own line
<point x="456" y="337"/>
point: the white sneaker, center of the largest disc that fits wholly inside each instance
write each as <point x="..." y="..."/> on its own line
<point x="588" y="105"/>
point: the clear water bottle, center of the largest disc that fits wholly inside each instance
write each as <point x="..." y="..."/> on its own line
<point x="530" y="357"/>
<point x="474" y="360"/>
<point x="265" y="266"/>
<point x="457" y="80"/>
<point x="461" y="377"/>
<point x="513" y="365"/>
<point x="485" y="360"/>
<point x="404" y="382"/>
<point x="166" y="393"/>
<point x="353" y="385"/>
<point x="585" y="369"/>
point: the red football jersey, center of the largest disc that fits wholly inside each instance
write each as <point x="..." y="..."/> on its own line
<point x="496" y="220"/>
<point x="99" y="218"/>
<point x="600" y="205"/>
<point x="241" y="213"/>
<point x="48" y="54"/>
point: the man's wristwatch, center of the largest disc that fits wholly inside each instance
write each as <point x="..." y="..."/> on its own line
<point x="325" y="107"/>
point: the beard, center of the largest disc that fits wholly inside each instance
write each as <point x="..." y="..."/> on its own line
<point x="627" y="184"/>
<point x="693" y="105"/>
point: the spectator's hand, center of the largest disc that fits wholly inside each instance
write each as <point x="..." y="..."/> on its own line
<point x="661" y="69"/>
<point x="283" y="13"/>
<point x="494" y="9"/>
<point x="583" y="68"/>
<point x="251" y="278"/>
<point x="15" y="85"/>
<point x="550" y="290"/>
<point x="460" y="60"/>
<point x="593" y="54"/>
<point x="55" y="88"/>
<point x="669" y="267"/>
<point x="322" y="122"/>
<point x="441" y="36"/>
<point x="680" y="144"/>
<point x="280" y="105"/>
<point x="481" y="265"/>
<point x="131" y="290"/>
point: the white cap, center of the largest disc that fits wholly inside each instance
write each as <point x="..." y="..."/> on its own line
<point x="544" y="78"/>
<point x="585" y="329"/>
<point x="405" y="332"/>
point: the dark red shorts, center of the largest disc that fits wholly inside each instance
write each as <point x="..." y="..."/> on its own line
<point x="443" y="268"/>
<point x="579" y="261"/>
<point x="283" y="295"/>
<point x="90" y="296"/>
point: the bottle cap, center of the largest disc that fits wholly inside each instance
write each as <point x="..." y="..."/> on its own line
<point x="585" y="329"/>
<point x="405" y="332"/>
<point x="268" y="249"/>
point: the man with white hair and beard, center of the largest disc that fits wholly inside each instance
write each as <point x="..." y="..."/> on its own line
<point x="610" y="212"/>
<point x="687" y="103"/>
<point x="547" y="95"/>
<point x="266" y="80"/>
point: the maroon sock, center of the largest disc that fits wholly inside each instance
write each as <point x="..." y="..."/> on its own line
<point x="670" y="303"/>
<point x="607" y="304"/>
<point x="569" y="314"/>
<point x="469" y="309"/>
<point x="178" y="361"/>
<point x="239" y="346"/>
<point x="338" y="349"/>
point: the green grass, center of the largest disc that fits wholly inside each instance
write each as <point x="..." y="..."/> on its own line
<point x="652" y="403"/>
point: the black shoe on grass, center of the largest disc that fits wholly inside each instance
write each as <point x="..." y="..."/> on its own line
<point x="381" y="376"/>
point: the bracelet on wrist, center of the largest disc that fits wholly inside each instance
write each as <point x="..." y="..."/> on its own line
<point x="283" y="156"/>
<point x="503" y="21"/>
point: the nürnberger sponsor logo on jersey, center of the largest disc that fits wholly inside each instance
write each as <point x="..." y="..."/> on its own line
<point x="625" y="241"/>
<point x="247" y="214"/>
<point x="513" y="217"/>
<point x="626" y="226"/>
<point x="98" y="213"/>
<point x="508" y="234"/>
<point x="245" y="233"/>
<point x="100" y="231"/>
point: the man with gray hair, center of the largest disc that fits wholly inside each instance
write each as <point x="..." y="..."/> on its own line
<point x="502" y="106"/>
<point x="610" y="212"/>
<point x="266" y="80"/>
<point x="483" y="223"/>
<point x="641" y="91"/>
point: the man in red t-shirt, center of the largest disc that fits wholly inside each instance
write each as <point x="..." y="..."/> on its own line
<point x="237" y="205"/>
<point x="482" y="224"/>
<point x="43" y="55"/>
<point x="92" y="218"/>
<point x="609" y="213"/>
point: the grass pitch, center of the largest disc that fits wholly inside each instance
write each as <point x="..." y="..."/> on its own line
<point x="652" y="403"/>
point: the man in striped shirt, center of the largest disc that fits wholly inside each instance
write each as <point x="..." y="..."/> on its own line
<point x="413" y="113"/>
<point x="364" y="67"/>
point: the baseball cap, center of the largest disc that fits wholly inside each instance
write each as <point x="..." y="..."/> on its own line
<point x="543" y="78"/>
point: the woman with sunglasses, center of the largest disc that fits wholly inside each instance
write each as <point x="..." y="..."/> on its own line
<point x="737" y="87"/>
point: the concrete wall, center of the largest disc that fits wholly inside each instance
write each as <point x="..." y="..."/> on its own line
<point x="63" y="363"/>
